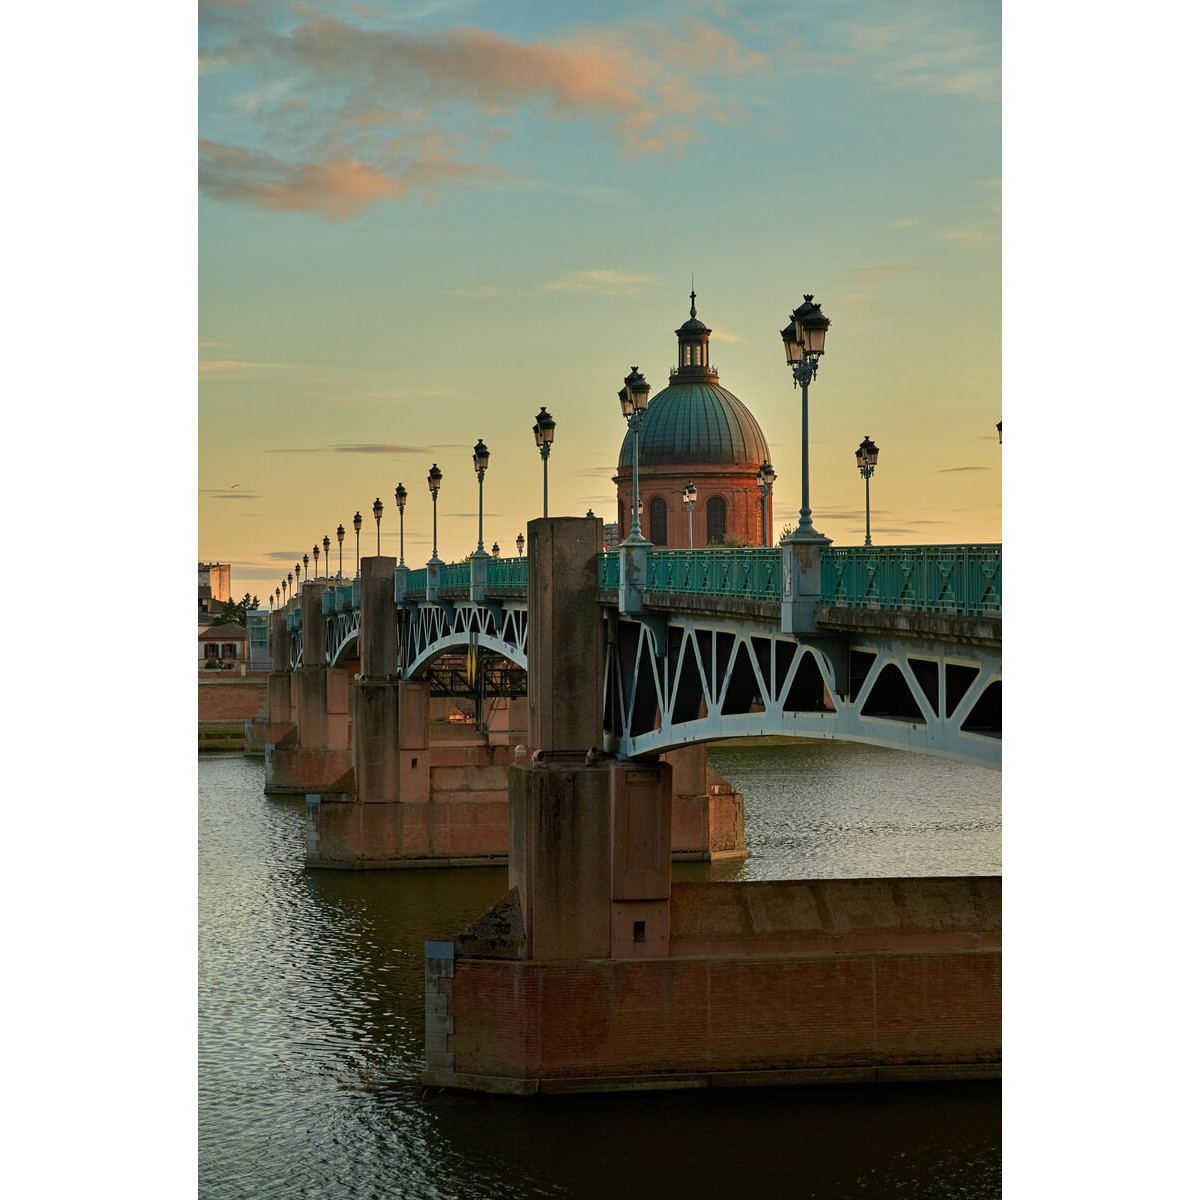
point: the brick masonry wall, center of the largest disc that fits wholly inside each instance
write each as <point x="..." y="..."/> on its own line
<point x="848" y="976"/>
<point x="606" y="1019"/>
<point x="231" y="700"/>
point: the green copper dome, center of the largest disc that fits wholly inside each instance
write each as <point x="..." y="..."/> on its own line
<point x="696" y="422"/>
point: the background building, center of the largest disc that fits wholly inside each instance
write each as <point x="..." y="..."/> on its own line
<point x="696" y="431"/>
<point x="212" y="590"/>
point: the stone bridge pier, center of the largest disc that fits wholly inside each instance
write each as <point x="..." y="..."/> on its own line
<point x="318" y="759"/>
<point x="409" y="802"/>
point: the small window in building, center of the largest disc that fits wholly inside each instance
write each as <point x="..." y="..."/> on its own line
<point x="658" y="521"/>
<point x="687" y="356"/>
<point x="715" y="511"/>
<point x="639" y="931"/>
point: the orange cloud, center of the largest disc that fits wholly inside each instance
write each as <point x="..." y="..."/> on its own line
<point x="334" y="189"/>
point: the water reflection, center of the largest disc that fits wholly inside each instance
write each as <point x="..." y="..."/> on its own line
<point x="311" y="1031"/>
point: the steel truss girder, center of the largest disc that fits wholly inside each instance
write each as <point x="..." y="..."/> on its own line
<point x="341" y="630"/>
<point x="688" y="679"/>
<point x="434" y="629"/>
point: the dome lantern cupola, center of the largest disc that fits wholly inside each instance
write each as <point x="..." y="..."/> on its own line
<point x="693" y="337"/>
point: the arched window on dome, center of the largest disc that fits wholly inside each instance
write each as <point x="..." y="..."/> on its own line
<point x="715" y="511"/>
<point x="658" y="521"/>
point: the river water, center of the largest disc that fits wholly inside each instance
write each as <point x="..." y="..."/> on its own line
<point x="311" y="1011"/>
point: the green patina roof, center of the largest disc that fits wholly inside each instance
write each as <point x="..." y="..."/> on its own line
<point x="691" y="422"/>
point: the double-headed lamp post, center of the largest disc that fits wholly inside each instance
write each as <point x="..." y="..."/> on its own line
<point x="634" y="397"/>
<point x="377" y="511"/>
<point x="435" y="482"/>
<point x="341" y="537"/>
<point x="357" y="529"/>
<point x="804" y="342"/>
<point x="543" y="436"/>
<point x="766" y="481"/>
<point x="520" y="545"/>
<point x="867" y="455"/>
<point x="481" y="464"/>
<point x="401" y="501"/>
<point x="689" y="502"/>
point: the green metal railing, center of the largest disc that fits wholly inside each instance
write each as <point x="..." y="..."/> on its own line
<point x="958" y="579"/>
<point x="508" y="573"/>
<point x="754" y="573"/>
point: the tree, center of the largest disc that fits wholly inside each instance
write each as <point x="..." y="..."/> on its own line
<point x="234" y="612"/>
<point x="785" y="534"/>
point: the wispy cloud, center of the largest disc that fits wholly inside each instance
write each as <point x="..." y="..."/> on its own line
<point x="230" y="367"/>
<point x="605" y="282"/>
<point x="723" y="335"/>
<point x="971" y="239"/>
<point x="345" y="98"/>
<point x="951" y="470"/>
<point x="486" y="291"/>
<point x="336" y="188"/>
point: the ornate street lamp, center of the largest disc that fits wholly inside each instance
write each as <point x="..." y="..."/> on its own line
<point x="316" y="560"/>
<point x="481" y="465"/>
<point x="435" y="482"/>
<point x="305" y="568"/>
<point x="520" y="545"/>
<point x="634" y="397"/>
<point x="401" y="501"/>
<point x="689" y="502"/>
<point x="325" y="543"/>
<point x="341" y="537"/>
<point x="766" y="481"/>
<point x="278" y="596"/>
<point x="804" y="343"/>
<point x="495" y="549"/>
<point x="290" y="580"/>
<point x="867" y="455"/>
<point x="377" y="509"/>
<point x="1000" y="432"/>
<point x="543" y="435"/>
<point x="357" y="528"/>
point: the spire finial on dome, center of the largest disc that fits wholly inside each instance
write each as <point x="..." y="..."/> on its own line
<point x="693" y="296"/>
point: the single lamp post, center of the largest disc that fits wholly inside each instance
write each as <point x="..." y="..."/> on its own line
<point x="435" y="482"/>
<point x="278" y="596"/>
<point x="316" y="560"/>
<point x="495" y="549"/>
<point x="804" y="342"/>
<point x="634" y="397"/>
<point x="341" y="537"/>
<point x="520" y="545"/>
<point x="766" y="481"/>
<point x="481" y="465"/>
<point x="1000" y="432"/>
<point x="689" y="502"/>
<point x="401" y="501"/>
<point x="305" y="557"/>
<point x="377" y="510"/>
<point x="325" y="543"/>
<point x="867" y="455"/>
<point x="357" y="529"/>
<point x="543" y="435"/>
<point x="290" y="580"/>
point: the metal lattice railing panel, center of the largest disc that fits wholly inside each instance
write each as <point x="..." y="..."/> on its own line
<point x="951" y="579"/>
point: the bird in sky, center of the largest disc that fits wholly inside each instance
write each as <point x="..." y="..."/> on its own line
<point x="233" y="485"/>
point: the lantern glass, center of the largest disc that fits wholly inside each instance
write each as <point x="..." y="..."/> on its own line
<point x="791" y="345"/>
<point x="357" y="522"/>
<point x="481" y="456"/>
<point x="401" y="496"/>
<point x="626" y="398"/>
<point x="689" y="494"/>
<point x="341" y="534"/>
<point x="435" y="479"/>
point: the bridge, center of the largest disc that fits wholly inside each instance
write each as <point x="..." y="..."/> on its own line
<point x="898" y="646"/>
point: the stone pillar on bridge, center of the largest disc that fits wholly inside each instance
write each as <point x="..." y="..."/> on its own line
<point x="801" y="582"/>
<point x="589" y="837"/>
<point x="274" y="724"/>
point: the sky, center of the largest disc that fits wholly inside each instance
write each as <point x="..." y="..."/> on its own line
<point x="421" y="222"/>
